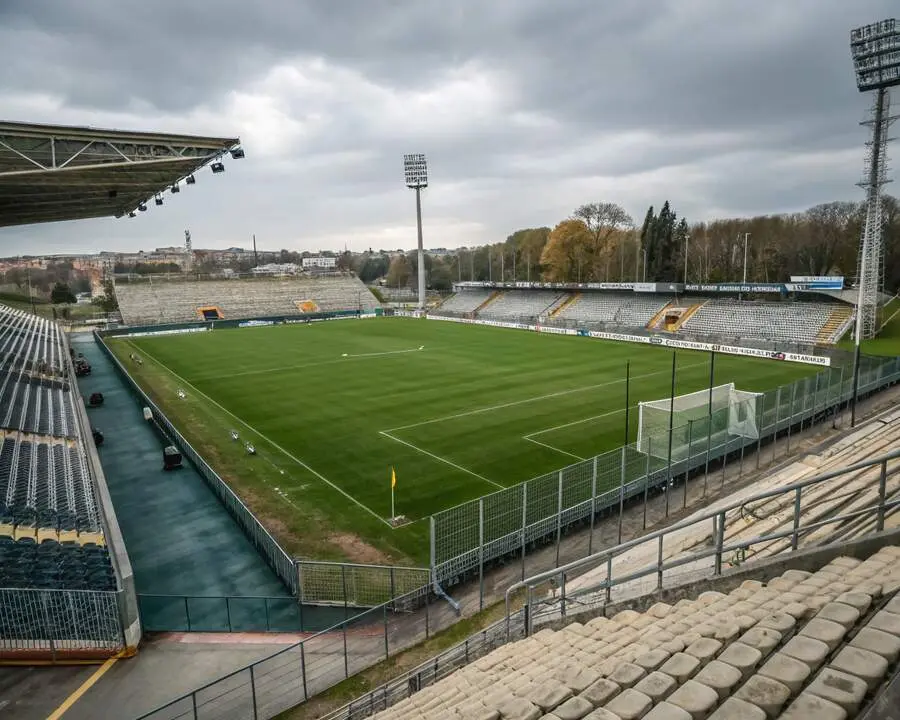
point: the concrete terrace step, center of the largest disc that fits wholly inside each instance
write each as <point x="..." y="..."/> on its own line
<point x="804" y="645"/>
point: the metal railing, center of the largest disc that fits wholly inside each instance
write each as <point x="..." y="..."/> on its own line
<point x="433" y="670"/>
<point x="59" y="620"/>
<point x="359" y="585"/>
<point x="298" y="672"/>
<point x="245" y="613"/>
<point x="789" y="531"/>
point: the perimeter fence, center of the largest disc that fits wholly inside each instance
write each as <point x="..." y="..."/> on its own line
<point x="504" y="527"/>
<point x="64" y="621"/>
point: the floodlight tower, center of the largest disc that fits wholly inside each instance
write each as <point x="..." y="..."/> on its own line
<point x="875" y="50"/>
<point x="416" y="171"/>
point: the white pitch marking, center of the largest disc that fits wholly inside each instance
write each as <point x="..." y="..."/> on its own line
<point x="301" y="366"/>
<point x="387" y="434"/>
<point x="267" y="439"/>
<point x="387" y="352"/>
<point x="559" y="393"/>
<point x="551" y="447"/>
<point x="574" y="422"/>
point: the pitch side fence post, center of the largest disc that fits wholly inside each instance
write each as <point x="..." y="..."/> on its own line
<point x="481" y="554"/>
<point x="524" y="523"/>
<point x="621" y="496"/>
<point x="559" y="510"/>
<point x="593" y="506"/>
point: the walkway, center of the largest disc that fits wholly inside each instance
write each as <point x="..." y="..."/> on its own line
<point x="180" y="539"/>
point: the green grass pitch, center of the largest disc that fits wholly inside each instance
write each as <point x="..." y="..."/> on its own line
<point x="458" y="411"/>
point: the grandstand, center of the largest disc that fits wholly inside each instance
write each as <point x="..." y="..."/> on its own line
<point x="51" y="534"/>
<point x="793" y="321"/>
<point x="804" y="644"/>
<point x="806" y="322"/>
<point x="155" y="301"/>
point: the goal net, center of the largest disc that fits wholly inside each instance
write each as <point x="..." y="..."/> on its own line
<point x="697" y="417"/>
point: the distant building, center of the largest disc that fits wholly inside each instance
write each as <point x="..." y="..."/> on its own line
<point x="276" y="269"/>
<point x="319" y="262"/>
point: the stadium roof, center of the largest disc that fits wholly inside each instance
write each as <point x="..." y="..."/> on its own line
<point x="56" y="172"/>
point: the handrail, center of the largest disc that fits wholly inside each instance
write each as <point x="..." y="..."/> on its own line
<point x="717" y="516"/>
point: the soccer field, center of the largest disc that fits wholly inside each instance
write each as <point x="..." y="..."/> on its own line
<point x="458" y="411"/>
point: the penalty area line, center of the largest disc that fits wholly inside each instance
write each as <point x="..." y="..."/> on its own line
<point x="264" y="437"/>
<point x="387" y="434"/>
<point x="551" y="447"/>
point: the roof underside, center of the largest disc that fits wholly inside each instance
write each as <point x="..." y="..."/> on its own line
<point x="54" y="172"/>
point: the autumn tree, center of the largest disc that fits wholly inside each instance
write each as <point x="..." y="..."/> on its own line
<point x="603" y="222"/>
<point x="566" y="253"/>
<point x="399" y="272"/>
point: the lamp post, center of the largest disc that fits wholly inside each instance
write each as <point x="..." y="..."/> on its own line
<point x="416" y="171"/>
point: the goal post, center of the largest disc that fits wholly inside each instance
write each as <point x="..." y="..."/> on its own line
<point x="721" y="414"/>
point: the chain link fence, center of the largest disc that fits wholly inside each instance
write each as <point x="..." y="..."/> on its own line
<point x="357" y="585"/>
<point x="505" y="526"/>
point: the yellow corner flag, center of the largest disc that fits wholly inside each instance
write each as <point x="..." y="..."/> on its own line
<point x="393" y="478"/>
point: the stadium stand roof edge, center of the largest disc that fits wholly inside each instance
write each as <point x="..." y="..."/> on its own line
<point x="56" y="172"/>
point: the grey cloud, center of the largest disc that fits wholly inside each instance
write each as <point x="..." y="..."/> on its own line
<point x="722" y="89"/>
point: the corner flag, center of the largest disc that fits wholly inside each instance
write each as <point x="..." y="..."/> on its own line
<point x="393" y="485"/>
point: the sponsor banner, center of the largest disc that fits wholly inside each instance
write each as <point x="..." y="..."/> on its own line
<point x="256" y="323"/>
<point x="545" y="286"/>
<point x="737" y="287"/>
<point x="170" y="331"/>
<point x="652" y="340"/>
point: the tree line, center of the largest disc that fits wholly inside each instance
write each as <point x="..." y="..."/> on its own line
<point x="600" y="242"/>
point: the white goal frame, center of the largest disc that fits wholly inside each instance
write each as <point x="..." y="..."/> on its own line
<point x="733" y="413"/>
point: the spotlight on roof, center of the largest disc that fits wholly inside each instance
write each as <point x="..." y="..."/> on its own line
<point x="176" y="188"/>
<point x="131" y="214"/>
<point x="112" y="194"/>
<point x="237" y="153"/>
<point x="142" y="207"/>
<point x="218" y="167"/>
<point x="158" y="200"/>
<point x="190" y="179"/>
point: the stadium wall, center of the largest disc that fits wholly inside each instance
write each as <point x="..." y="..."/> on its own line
<point x="129" y="614"/>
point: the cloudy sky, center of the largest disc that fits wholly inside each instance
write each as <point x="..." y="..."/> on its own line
<point x="525" y="108"/>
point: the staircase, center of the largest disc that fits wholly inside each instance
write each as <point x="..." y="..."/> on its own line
<point x="835" y="323"/>
<point x="686" y="315"/>
<point x="569" y="301"/>
<point x="493" y="296"/>
<point x="659" y="317"/>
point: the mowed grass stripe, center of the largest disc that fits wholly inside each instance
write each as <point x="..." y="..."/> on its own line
<point x="327" y="411"/>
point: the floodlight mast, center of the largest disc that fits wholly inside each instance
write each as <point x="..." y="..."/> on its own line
<point x="875" y="50"/>
<point x="416" y="171"/>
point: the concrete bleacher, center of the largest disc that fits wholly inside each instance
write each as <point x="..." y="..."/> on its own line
<point x="524" y="304"/>
<point x="794" y="321"/>
<point x="803" y="645"/>
<point x="466" y="300"/>
<point x="50" y="526"/>
<point x="149" y="302"/>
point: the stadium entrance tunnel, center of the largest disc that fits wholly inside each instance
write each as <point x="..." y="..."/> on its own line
<point x="194" y="568"/>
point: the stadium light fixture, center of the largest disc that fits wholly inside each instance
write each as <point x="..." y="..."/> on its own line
<point x="190" y="180"/>
<point x="131" y="214"/>
<point x="875" y="50"/>
<point x="415" y="169"/>
<point x="237" y="153"/>
<point x="217" y="167"/>
<point x="142" y="207"/>
<point x="176" y="188"/>
<point x="158" y="200"/>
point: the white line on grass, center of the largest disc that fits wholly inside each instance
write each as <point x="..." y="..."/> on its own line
<point x="301" y="366"/>
<point x="537" y="398"/>
<point x="264" y="437"/>
<point x="551" y="447"/>
<point x="387" y="434"/>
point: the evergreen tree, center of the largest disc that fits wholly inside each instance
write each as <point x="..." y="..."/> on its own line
<point x="648" y="237"/>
